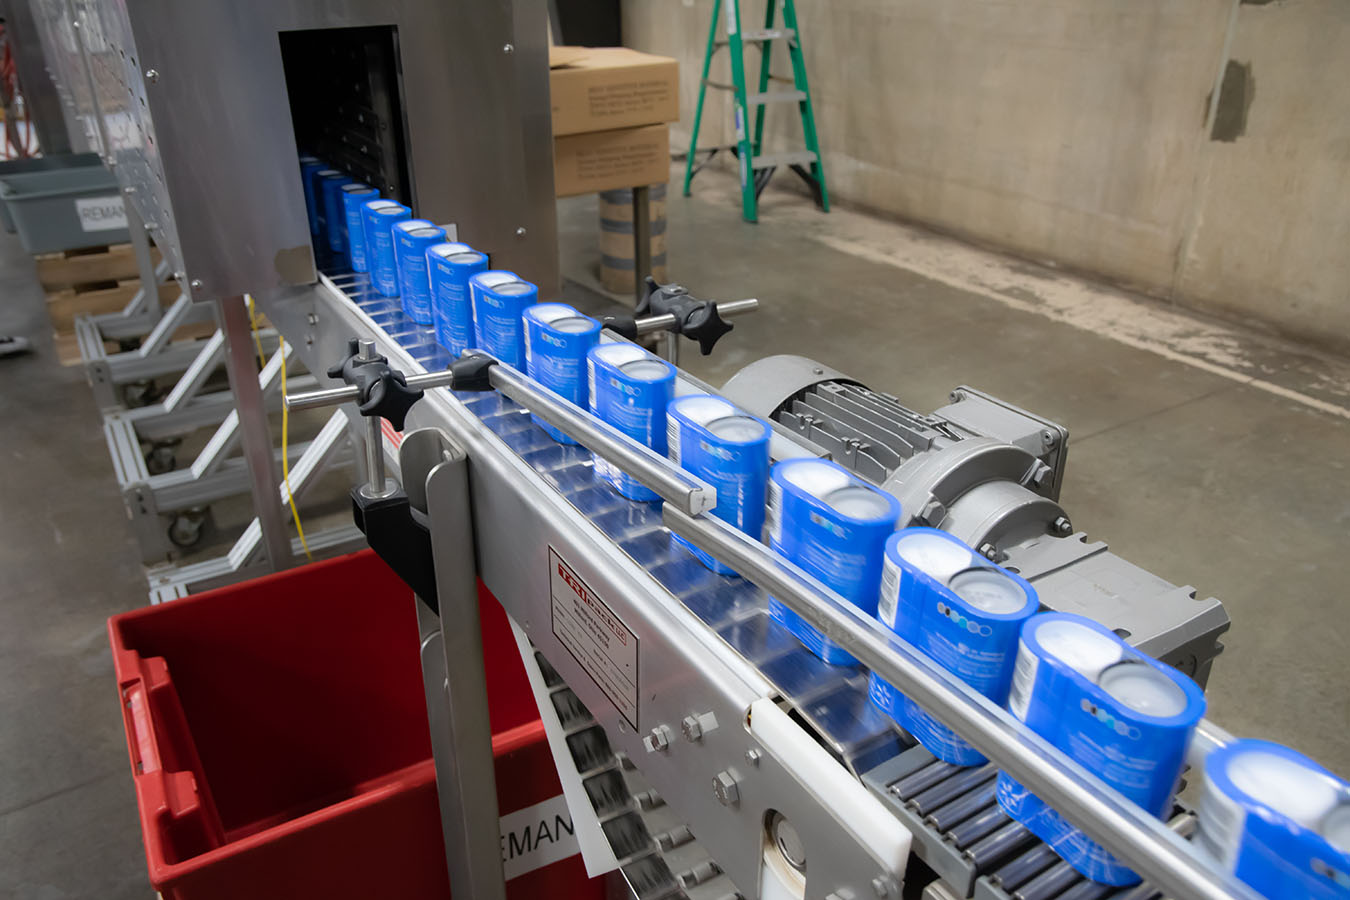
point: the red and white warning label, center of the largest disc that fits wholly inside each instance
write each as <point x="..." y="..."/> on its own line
<point x="597" y="638"/>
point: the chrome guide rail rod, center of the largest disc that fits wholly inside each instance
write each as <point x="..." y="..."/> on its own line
<point x="428" y="380"/>
<point x="654" y="471"/>
<point x="725" y="309"/>
<point x="1142" y="841"/>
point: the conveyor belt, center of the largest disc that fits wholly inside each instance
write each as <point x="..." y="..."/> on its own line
<point x="958" y="827"/>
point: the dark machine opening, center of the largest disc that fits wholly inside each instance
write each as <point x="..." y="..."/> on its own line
<point x="345" y="91"/>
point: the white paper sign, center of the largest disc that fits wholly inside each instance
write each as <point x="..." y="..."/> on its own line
<point x="537" y="836"/>
<point x="101" y="213"/>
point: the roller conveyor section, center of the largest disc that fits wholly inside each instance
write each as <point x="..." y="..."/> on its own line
<point x="974" y="847"/>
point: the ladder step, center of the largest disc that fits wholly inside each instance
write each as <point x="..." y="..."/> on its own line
<point x="772" y="160"/>
<point x="761" y="35"/>
<point x="719" y="85"/>
<point x="775" y="97"/>
<point x="768" y="34"/>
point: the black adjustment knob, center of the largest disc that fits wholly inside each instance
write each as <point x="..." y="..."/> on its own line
<point x="381" y="390"/>
<point x="389" y="397"/>
<point x="706" y="326"/>
<point x="696" y="319"/>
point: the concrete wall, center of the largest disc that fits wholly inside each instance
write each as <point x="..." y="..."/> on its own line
<point x="1090" y="135"/>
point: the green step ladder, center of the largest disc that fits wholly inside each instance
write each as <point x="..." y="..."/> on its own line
<point x="757" y="168"/>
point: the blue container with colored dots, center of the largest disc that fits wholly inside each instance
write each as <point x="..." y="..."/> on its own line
<point x="630" y="389"/>
<point x="1120" y="714"/>
<point x="450" y="266"/>
<point x="334" y="216"/>
<point x="960" y="610"/>
<point x="1276" y="820"/>
<point x="380" y="218"/>
<point x="557" y="339"/>
<point x="354" y="197"/>
<point x="309" y="166"/>
<point x="412" y="238"/>
<point x="834" y="526"/>
<point x="728" y="448"/>
<point x="499" y="303"/>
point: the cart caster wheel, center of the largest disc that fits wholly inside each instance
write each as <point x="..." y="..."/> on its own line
<point x="187" y="529"/>
<point x="161" y="458"/>
<point x="139" y="393"/>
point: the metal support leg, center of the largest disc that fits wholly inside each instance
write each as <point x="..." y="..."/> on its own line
<point x="452" y="660"/>
<point x="254" y="432"/>
<point x="642" y="241"/>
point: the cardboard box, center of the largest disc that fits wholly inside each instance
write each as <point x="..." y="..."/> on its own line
<point x="602" y="160"/>
<point x="604" y="88"/>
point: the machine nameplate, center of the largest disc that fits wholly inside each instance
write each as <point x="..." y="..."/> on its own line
<point x="597" y="638"/>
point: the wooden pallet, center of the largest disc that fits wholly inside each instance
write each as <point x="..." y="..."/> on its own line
<point x="97" y="298"/>
<point x="67" y="346"/>
<point x="68" y="269"/>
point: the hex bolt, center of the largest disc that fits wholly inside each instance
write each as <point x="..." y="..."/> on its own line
<point x="753" y="756"/>
<point x="1048" y="438"/>
<point x="692" y="730"/>
<point x="880" y="886"/>
<point x="988" y="550"/>
<point x="312" y="319"/>
<point x="1062" y="525"/>
<point x="152" y="75"/>
<point x="725" y="788"/>
<point x="658" y="739"/>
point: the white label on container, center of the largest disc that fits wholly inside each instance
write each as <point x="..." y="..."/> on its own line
<point x="890" y="593"/>
<point x="537" y="836"/>
<point x="773" y="514"/>
<point x="1023" y="681"/>
<point x="1222" y="822"/>
<point x="673" y="431"/>
<point x="101" y="213"/>
<point x="597" y="638"/>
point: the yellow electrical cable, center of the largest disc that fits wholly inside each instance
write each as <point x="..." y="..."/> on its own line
<point x="285" y="428"/>
<point x="257" y="338"/>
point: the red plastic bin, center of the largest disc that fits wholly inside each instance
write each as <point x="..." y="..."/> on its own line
<point x="279" y="744"/>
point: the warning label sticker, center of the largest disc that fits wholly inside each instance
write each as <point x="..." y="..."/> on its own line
<point x="596" y="637"/>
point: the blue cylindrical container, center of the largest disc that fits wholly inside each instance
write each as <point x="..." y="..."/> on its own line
<point x="965" y="613"/>
<point x="309" y="165"/>
<point x="380" y="218"/>
<point x="450" y="266"/>
<point x="412" y="238"/>
<point x="557" y="339"/>
<point x="630" y="389"/>
<point x="1120" y="714"/>
<point x="334" y="216"/>
<point x="1277" y="821"/>
<point x="499" y="302"/>
<point x="355" y="196"/>
<point x="729" y="449"/>
<point x="834" y="526"/>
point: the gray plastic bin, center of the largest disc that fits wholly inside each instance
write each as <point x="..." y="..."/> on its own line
<point x="62" y="203"/>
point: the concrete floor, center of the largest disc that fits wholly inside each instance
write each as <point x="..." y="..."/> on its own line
<point x="1211" y="455"/>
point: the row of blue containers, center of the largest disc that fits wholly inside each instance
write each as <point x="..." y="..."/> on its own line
<point x="442" y="284"/>
<point x="1274" y="818"/>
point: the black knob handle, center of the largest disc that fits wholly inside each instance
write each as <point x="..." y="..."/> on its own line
<point x="382" y="391"/>
<point x="696" y="319"/>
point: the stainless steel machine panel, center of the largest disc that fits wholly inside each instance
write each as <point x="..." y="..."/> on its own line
<point x="200" y="129"/>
